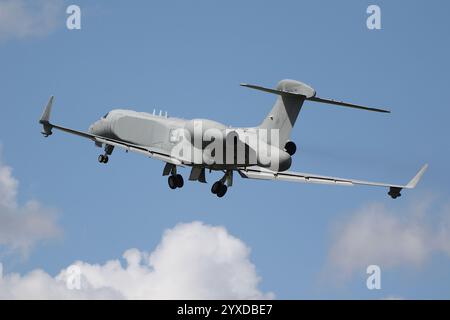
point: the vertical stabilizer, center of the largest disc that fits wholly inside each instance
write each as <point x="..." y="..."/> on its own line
<point x="284" y="113"/>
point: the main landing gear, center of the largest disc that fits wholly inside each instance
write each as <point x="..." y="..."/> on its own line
<point x="174" y="180"/>
<point x="103" y="158"/>
<point x="219" y="188"/>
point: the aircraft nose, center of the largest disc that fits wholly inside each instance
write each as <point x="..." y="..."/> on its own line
<point x="100" y="128"/>
<point x="93" y="128"/>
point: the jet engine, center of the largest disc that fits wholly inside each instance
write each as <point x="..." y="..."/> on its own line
<point x="290" y="148"/>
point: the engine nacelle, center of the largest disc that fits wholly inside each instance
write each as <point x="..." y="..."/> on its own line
<point x="290" y="148"/>
<point x="271" y="157"/>
<point x="395" y="192"/>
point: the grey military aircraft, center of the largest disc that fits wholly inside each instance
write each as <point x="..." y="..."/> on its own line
<point x="263" y="152"/>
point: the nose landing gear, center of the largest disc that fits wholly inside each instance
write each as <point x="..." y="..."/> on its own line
<point x="103" y="158"/>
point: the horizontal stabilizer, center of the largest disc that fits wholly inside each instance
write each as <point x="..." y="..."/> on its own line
<point x="345" y="104"/>
<point x="308" y="93"/>
<point x="286" y="88"/>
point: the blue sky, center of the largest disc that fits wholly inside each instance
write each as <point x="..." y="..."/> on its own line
<point x="188" y="59"/>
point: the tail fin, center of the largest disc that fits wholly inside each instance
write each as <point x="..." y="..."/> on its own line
<point x="45" y="118"/>
<point x="284" y="113"/>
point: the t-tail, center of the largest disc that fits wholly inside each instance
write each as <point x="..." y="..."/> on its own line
<point x="292" y="95"/>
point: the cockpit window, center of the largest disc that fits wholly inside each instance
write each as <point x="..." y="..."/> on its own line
<point x="106" y="115"/>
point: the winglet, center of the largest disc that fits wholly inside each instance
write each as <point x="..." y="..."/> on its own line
<point x="45" y="118"/>
<point x="412" y="184"/>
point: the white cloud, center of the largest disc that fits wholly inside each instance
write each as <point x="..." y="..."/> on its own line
<point x="375" y="235"/>
<point x="22" y="226"/>
<point x="8" y="187"/>
<point x="192" y="261"/>
<point x="443" y="232"/>
<point x="28" y="18"/>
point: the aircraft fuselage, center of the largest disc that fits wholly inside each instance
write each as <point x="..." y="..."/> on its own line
<point x="199" y="141"/>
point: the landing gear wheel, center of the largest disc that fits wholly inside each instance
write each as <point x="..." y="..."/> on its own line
<point x="103" y="159"/>
<point x="172" y="182"/>
<point x="216" y="187"/>
<point x="223" y="189"/>
<point x="179" y="182"/>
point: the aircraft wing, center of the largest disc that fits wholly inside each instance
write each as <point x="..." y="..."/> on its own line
<point x="265" y="174"/>
<point x="151" y="152"/>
